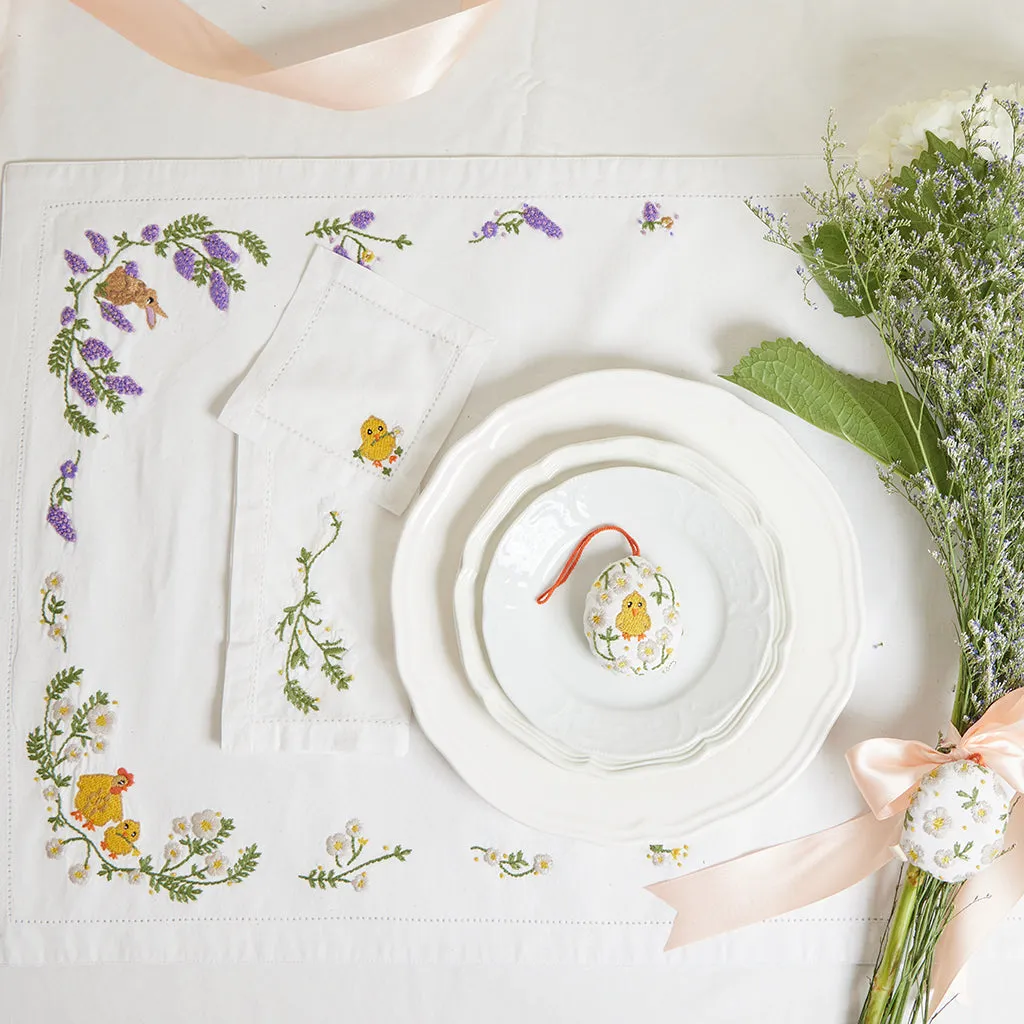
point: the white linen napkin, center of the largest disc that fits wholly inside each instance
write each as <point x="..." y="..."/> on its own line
<point x="368" y="376"/>
<point x="309" y="661"/>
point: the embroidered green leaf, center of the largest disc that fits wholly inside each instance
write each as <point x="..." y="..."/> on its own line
<point x="879" y="418"/>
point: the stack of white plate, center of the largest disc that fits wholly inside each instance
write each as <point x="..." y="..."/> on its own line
<point x="766" y="575"/>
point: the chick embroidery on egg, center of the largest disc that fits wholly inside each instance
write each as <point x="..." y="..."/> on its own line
<point x="378" y="445"/>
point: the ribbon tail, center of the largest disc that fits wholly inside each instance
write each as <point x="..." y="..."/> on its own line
<point x="980" y="907"/>
<point x="777" y="879"/>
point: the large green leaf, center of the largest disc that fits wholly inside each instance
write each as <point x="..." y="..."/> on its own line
<point x="880" y="418"/>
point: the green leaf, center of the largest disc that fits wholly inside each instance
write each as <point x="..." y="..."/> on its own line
<point x="60" y="353"/>
<point x="78" y="421"/>
<point x="870" y="414"/>
<point x="827" y="256"/>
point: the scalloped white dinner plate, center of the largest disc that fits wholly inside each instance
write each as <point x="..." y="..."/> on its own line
<point x="822" y="565"/>
<point x="711" y="538"/>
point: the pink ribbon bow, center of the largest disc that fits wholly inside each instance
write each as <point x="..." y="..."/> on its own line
<point x="782" y="878"/>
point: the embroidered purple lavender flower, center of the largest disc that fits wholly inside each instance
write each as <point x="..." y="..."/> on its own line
<point x="61" y="522"/>
<point x="650" y="212"/>
<point x="151" y="232"/>
<point x="80" y="383"/>
<point x="131" y="268"/>
<point x="185" y="263"/>
<point x="361" y="219"/>
<point x="220" y="294"/>
<point x="219" y="249"/>
<point x="114" y="316"/>
<point x="99" y="244"/>
<point x="123" y="385"/>
<point x="77" y="264"/>
<point x="69" y="469"/>
<point x="538" y="220"/>
<point x="490" y="229"/>
<point x="67" y="316"/>
<point x="93" y="349"/>
<point x="341" y="251"/>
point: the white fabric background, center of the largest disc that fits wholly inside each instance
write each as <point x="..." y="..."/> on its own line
<point x="576" y="76"/>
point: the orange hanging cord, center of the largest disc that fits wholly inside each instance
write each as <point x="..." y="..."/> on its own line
<point x="574" y="559"/>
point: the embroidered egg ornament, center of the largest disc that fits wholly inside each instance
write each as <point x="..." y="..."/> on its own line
<point x="631" y="620"/>
<point x="956" y="823"/>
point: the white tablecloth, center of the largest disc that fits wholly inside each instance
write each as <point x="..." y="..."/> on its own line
<point x="571" y="77"/>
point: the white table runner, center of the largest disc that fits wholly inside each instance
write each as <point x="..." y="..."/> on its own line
<point x="581" y="285"/>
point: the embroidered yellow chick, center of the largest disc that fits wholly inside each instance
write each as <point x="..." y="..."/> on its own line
<point x="633" y="620"/>
<point x="378" y="442"/>
<point x="120" y="288"/>
<point x="98" y="799"/>
<point x="119" y="840"/>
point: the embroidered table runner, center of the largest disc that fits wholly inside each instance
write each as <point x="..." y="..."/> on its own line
<point x="135" y="298"/>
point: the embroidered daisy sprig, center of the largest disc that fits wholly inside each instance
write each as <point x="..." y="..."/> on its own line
<point x="658" y="854"/>
<point x="192" y="861"/>
<point x="348" y="238"/>
<point x="347" y="850"/>
<point x="508" y="222"/>
<point x="52" y="610"/>
<point x="202" y="253"/>
<point x="513" y="865"/>
<point x="297" y="622"/>
<point x="61" y="494"/>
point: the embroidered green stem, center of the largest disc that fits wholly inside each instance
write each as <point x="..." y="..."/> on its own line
<point x="513" y="865"/>
<point x="350" y="869"/>
<point x="338" y="232"/>
<point x="57" y="748"/>
<point x="52" y="610"/>
<point x="298" y="622"/>
<point x="608" y="636"/>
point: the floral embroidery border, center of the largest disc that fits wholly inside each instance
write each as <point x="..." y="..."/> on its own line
<point x="513" y="865"/>
<point x="346" y="850"/>
<point x="61" y="494"/>
<point x="340" y="233"/>
<point x="658" y="854"/>
<point x="52" y="613"/>
<point x="508" y="222"/>
<point x="652" y="219"/>
<point x="296" y="621"/>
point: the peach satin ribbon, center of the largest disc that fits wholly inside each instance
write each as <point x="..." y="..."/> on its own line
<point x="382" y="71"/>
<point x="782" y="878"/>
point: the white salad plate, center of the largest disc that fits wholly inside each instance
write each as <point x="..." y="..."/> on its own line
<point x="823" y="588"/>
<point x="531" y="665"/>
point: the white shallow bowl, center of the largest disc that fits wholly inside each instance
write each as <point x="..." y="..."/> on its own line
<point x="813" y="531"/>
<point x="710" y="537"/>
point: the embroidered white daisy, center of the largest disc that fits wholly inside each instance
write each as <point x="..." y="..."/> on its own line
<point x="205" y="824"/>
<point x="173" y="852"/>
<point x="78" y="874"/>
<point x="50" y="793"/>
<point x="361" y="881"/>
<point x="56" y="631"/>
<point x="981" y="811"/>
<point x="73" y="753"/>
<point x="97" y="746"/>
<point x="596" y="618"/>
<point x="672" y="616"/>
<point x="101" y="719"/>
<point x="492" y="857"/>
<point x="915" y="854"/>
<point x="337" y="844"/>
<point x="943" y="858"/>
<point x="542" y="864"/>
<point x="354" y="827"/>
<point x="62" y="710"/>
<point x="657" y="858"/>
<point x="619" y="581"/>
<point x="217" y="864"/>
<point x="54" y="848"/>
<point x="54" y="581"/>
<point x="605" y="597"/>
<point x="962" y="767"/>
<point x="937" y="821"/>
<point x="622" y="665"/>
<point x="179" y="826"/>
<point x="647" y="651"/>
<point x="134" y="876"/>
<point x="646" y="570"/>
<point x="663" y="636"/>
<point x="990" y="852"/>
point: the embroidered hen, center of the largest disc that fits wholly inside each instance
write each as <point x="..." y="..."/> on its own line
<point x="98" y="800"/>
<point x="122" y="289"/>
<point x="378" y="442"/>
<point x="119" y="840"/>
<point x="633" y="620"/>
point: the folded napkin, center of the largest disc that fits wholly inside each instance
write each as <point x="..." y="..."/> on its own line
<point x="341" y="413"/>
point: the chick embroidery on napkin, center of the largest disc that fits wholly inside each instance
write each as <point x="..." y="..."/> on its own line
<point x="349" y="238"/>
<point x="513" y="865"/>
<point x="193" y="860"/>
<point x="113" y="279"/>
<point x="508" y="222"/>
<point x="652" y="219"/>
<point x="347" y="850"/>
<point x="61" y="494"/>
<point x="298" y="621"/>
<point x="378" y="445"/>
<point x="52" y="609"/>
